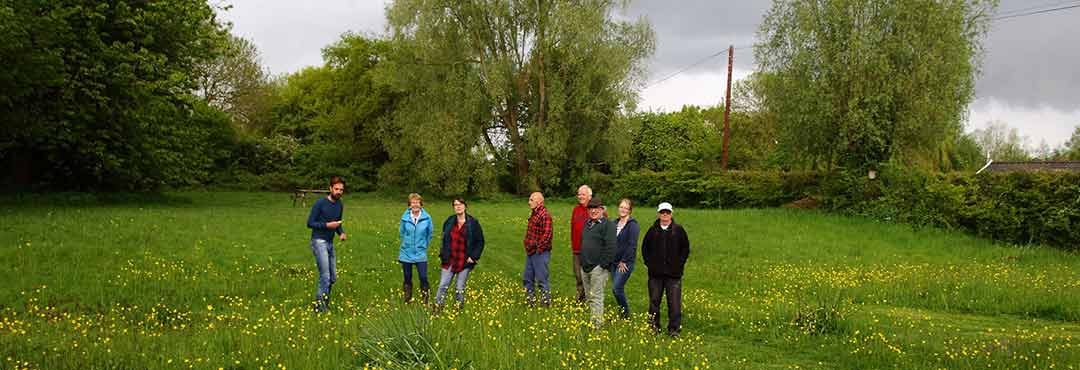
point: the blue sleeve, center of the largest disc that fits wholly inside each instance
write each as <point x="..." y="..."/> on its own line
<point x="340" y="229"/>
<point x="632" y="237"/>
<point x="430" y="231"/>
<point x="480" y="240"/>
<point x="313" y="217"/>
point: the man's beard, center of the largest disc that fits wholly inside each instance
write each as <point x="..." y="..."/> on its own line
<point x="335" y="196"/>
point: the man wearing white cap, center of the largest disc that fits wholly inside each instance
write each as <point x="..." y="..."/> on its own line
<point x="665" y="249"/>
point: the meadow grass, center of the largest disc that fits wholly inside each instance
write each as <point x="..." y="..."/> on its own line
<point x="225" y="280"/>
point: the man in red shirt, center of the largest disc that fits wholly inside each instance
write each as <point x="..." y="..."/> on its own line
<point x="577" y="224"/>
<point x="537" y="252"/>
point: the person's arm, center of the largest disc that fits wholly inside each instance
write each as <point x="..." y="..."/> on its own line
<point x="632" y="231"/>
<point x="546" y="232"/>
<point x="610" y="245"/>
<point x="313" y="217"/>
<point x="685" y="246"/>
<point x="340" y="230"/>
<point x="479" y="232"/>
<point x="646" y="246"/>
<point x="430" y="231"/>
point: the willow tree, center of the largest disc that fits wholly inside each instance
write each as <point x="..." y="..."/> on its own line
<point x="531" y="85"/>
<point x="859" y="82"/>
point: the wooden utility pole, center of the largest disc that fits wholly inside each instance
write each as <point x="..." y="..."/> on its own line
<point x="727" y="107"/>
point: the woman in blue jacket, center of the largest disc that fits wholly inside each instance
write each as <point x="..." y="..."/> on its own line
<point x="462" y="245"/>
<point x="626" y="239"/>
<point x="415" y="232"/>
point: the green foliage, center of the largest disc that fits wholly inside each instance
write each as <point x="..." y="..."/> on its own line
<point x="236" y="83"/>
<point x="856" y="83"/>
<point x="1021" y="208"/>
<point x="189" y="144"/>
<point x="763" y="289"/>
<point x="966" y="154"/>
<point x="90" y="90"/>
<point x="1071" y="149"/>
<point x="1001" y="142"/>
<point x="336" y="113"/>
<point x="731" y="189"/>
<point x="666" y="141"/>
<point x="534" y="85"/>
<point x="692" y="139"/>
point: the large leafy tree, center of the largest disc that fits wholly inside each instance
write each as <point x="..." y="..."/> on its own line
<point x="337" y="111"/>
<point x="532" y="85"/>
<point x="237" y="83"/>
<point x="859" y="82"/>
<point x="90" y="90"/>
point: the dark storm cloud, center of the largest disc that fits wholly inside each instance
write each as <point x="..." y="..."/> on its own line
<point x="687" y="31"/>
<point x="1033" y="60"/>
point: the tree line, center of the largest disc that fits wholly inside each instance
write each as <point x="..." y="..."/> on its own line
<point x="475" y="97"/>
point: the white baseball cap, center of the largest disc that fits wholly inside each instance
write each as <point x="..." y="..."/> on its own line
<point x="665" y="206"/>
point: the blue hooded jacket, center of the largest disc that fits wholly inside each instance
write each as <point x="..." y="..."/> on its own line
<point x="414" y="237"/>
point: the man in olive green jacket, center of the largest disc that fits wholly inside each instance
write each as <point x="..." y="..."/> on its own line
<point x="597" y="255"/>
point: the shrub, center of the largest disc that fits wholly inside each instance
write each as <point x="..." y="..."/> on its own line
<point x="732" y="189"/>
<point x="1019" y="208"/>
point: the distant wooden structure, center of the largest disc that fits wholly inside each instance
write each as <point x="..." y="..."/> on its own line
<point x="1031" y="166"/>
<point x="301" y="195"/>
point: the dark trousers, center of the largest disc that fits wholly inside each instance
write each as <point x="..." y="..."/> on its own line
<point x="672" y="288"/>
<point x="577" y="277"/>
<point x="421" y="269"/>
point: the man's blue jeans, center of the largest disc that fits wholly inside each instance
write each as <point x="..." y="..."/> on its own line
<point x="618" y="284"/>
<point x="323" y="250"/>
<point x="536" y="274"/>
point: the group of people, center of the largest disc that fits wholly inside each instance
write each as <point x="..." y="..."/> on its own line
<point x="602" y="248"/>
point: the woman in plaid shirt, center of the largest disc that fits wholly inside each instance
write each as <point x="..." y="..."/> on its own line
<point x="462" y="245"/>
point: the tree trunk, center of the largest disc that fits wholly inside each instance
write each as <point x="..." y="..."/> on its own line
<point x="517" y="145"/>
<point x="540" y="63"/>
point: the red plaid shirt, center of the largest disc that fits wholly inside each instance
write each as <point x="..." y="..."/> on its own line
<point x="457" y="249"/>
<point x="538" y="233"/>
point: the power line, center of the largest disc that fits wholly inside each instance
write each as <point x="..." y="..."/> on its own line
<point x="684" y="69"/>
<point x="1034" y="12"/>
<point x="1016" y="13"/>
<point x="1044" y="5"/>
<point x="692" y="65"/>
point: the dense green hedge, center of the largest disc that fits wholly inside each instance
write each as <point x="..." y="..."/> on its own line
<point x="1021" y="208"/>
<point x="734" y="189"/>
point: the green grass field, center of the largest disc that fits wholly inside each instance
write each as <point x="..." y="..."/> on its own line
<point x="224" y="280"/>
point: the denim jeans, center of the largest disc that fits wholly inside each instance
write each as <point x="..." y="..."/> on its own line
<point x="323" y="250"/>
<point x="618" y="284"/>
<point x="536" y="274"/>
<point x="672" y="288"/>
<point x="594" y="281"/>
<point x="444" y="283"/>
<point x="421" y="271"/>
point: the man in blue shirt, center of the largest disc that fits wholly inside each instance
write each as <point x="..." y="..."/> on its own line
<point x="325" y="221"/>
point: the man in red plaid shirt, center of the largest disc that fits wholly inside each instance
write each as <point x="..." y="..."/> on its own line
<point x="537" y="252"/>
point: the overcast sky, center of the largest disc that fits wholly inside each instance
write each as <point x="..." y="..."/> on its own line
<point x="1030" y="77"/>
